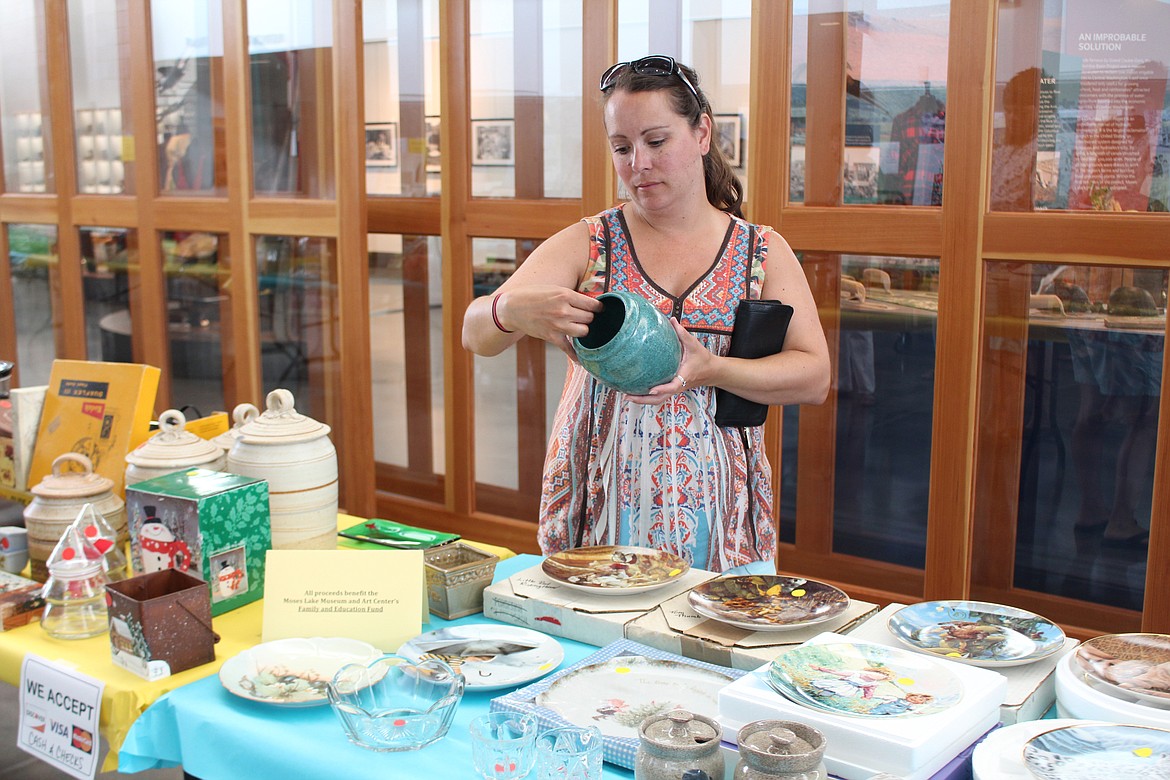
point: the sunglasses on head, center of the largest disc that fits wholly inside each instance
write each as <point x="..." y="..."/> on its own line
<point x="654" y="65"/>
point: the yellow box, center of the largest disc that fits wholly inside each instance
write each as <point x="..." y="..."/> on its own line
<point x="101" y="410"/>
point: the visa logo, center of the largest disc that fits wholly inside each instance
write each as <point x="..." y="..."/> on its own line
<point x="59" y="728"/>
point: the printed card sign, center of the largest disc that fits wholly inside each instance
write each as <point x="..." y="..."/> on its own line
<point x="359" y="594"/>
<point x="59" y="714"/>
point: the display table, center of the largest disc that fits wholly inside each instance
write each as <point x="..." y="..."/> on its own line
<point x="127" y="695"/>
<point x="213" y="734"/>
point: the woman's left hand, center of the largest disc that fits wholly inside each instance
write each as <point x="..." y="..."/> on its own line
<point x="691" y="369"/>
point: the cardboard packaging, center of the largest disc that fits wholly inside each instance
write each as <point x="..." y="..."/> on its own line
<point x="20" y="601"/>
<point x="101" y="410"/>
<point x="160" y="623"/>
<point x="210" y="524"/>
<point x="456" y="577"/>
<point x="675" y="627"/>
<point x="532" y="599"/>
<point x="20" y="414"/>
<point x="1031" y="688"/>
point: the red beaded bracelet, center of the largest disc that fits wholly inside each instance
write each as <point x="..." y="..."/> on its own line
<point x="496" y="318"/>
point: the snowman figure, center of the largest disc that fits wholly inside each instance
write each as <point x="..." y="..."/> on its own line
<point x="160" y="549"/>
<point x="228" y="579"/>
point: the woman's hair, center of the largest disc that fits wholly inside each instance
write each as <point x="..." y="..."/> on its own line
<point x="724" y="189"/>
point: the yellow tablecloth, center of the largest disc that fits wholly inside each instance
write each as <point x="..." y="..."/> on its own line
<point x="127" y="695"/>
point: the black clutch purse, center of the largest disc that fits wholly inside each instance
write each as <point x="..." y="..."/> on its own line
<point x="760" y="328"/>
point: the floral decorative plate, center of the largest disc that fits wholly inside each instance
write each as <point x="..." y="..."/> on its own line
<point x="614" y="569"/>
<point x="490" y="657"/>
<point x="977" y="632"/>
<point x="1138" y="664"/>
<point x="1090" y="752"/>
<point x="767" y="602"/>
<point x="292" y="672"/>
<point x="864" y="679"/>
<point x="618" y="694"/>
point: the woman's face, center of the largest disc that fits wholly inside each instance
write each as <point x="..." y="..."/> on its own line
<point x="656" y="154"/>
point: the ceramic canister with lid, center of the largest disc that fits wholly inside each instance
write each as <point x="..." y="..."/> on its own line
<point x="242" y="415"/>
<point x="673" y="743"/>
<point x="780" y="750"/>
<point x="172" y="449"/>
<point x="59" y="498"/>
<point x="296" y="456"/>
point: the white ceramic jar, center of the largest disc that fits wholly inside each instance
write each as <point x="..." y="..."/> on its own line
<point x="297" y="458"/>
<point x="242" y="415"/>
<point x="172" y="449"/>
<point x="57" y="500"/>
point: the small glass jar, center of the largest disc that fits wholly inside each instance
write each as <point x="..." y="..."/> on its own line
<point x="75" y="600"/>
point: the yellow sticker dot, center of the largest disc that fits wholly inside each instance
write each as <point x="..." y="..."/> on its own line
<point x="1144" y="752"/>
<point x="798" y="592"/>
<point x="905" y="681"/>
<point x="953" y="654"/>
<point x="675" y="572"/>
<point x="622" y="670"/>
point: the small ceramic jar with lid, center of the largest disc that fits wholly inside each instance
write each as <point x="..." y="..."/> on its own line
<point x="670" y="745"/>
<point x="242" y="415"/>
<point x="296" y="456"/>
<point x="780" y="750"/>
<point x="57" y="501"/>
<point x="172" y="449"/>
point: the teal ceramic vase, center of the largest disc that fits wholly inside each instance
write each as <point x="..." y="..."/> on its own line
<point x="631" y="346"/>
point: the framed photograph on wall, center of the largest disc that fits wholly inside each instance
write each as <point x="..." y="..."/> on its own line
<point x="431" y="130"/>
<point x="493" y="142"/>
<point x="381" y="144"/>
<point x="729" y="136"/>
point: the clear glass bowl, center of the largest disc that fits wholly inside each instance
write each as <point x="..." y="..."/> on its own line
<point x="395" y="704"/>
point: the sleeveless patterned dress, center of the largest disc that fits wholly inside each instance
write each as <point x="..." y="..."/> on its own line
<point x="665" y="477"/>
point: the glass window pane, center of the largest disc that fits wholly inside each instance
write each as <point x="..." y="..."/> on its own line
<point x="107" y="257"/>
<point x="526" y="99"/>
<point x="496" y="461"/>
<point x="187" y="40"/>
<point x="1081" y="116"/>
<point x="23" y="92"/>
<point x="96" y="35"/>
<point x="290" y="44"/>
<point x="895" y="55"/>
<point x="198" y="304"/>
<point x="1074" y="439"/>
<point x="32" y="255"/>
<point x="885" y="401"/>
<point x="406" y="326"/>
<point x="713" y="37"/>
<point x="297" y="302"/>
<point x="402" y="97"/>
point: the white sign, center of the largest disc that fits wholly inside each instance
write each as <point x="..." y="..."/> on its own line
<point x="59" y="712"/>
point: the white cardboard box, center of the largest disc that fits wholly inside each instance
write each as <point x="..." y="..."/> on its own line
<point x="675" y="627"/>
<point x="530" y="598"/>
<point x="912" y="748"/>
<point x="1031" y="688"/>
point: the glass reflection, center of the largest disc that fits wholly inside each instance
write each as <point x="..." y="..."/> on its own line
<point x="107" y="257"/>
<point x="32" y="256"/>
<point x="1081" y="110"/>
<point x="197" y="285"/>
<point x="187" y="41"/>
<point x="22" y="75"/>
<point x="94" y="27"/>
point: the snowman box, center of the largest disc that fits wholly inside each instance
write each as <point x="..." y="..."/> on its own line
<point x="210" y="524"/>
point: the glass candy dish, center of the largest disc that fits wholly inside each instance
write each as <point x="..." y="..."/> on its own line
<point x="394" y="704"/>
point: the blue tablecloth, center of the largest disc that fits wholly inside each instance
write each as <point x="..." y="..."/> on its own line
<point x="213" y="734"/>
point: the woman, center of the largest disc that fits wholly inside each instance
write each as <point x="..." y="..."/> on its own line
<point x="655" y="470"/>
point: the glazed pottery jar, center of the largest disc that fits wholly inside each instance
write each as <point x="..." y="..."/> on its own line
<point x="780" y="750"/>
<point x="57" y="501"/>
<point x="296" y="456"/>
<point x="172" y="449"/>
<point x="678" y="741"/>
<point x="241" y="416"/>
<point x="631" y="346"/>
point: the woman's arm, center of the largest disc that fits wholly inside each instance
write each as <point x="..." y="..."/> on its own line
<point x="540" y="299"/>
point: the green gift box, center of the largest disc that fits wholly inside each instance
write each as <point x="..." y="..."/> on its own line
<point x="210" y="524"/>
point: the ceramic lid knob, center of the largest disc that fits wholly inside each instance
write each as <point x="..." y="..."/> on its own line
<point x="173" y="445"/>
<point x="242" y="415"/>
<point x="72" y="484"/>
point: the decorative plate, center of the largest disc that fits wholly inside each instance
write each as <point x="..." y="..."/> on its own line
<point x="618" y="694"/>
<point x="1099" y="751"/>
<point x="1138" y="664"/>
<point x="977" y="632"/>
<point x="767" y="602"/>
<point x="292" y="672"/>
<point x="490" y="657"/>
<point x="1000" y="754"/>
<point x="615" y="570"/>
<point x="865" y="679"/>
